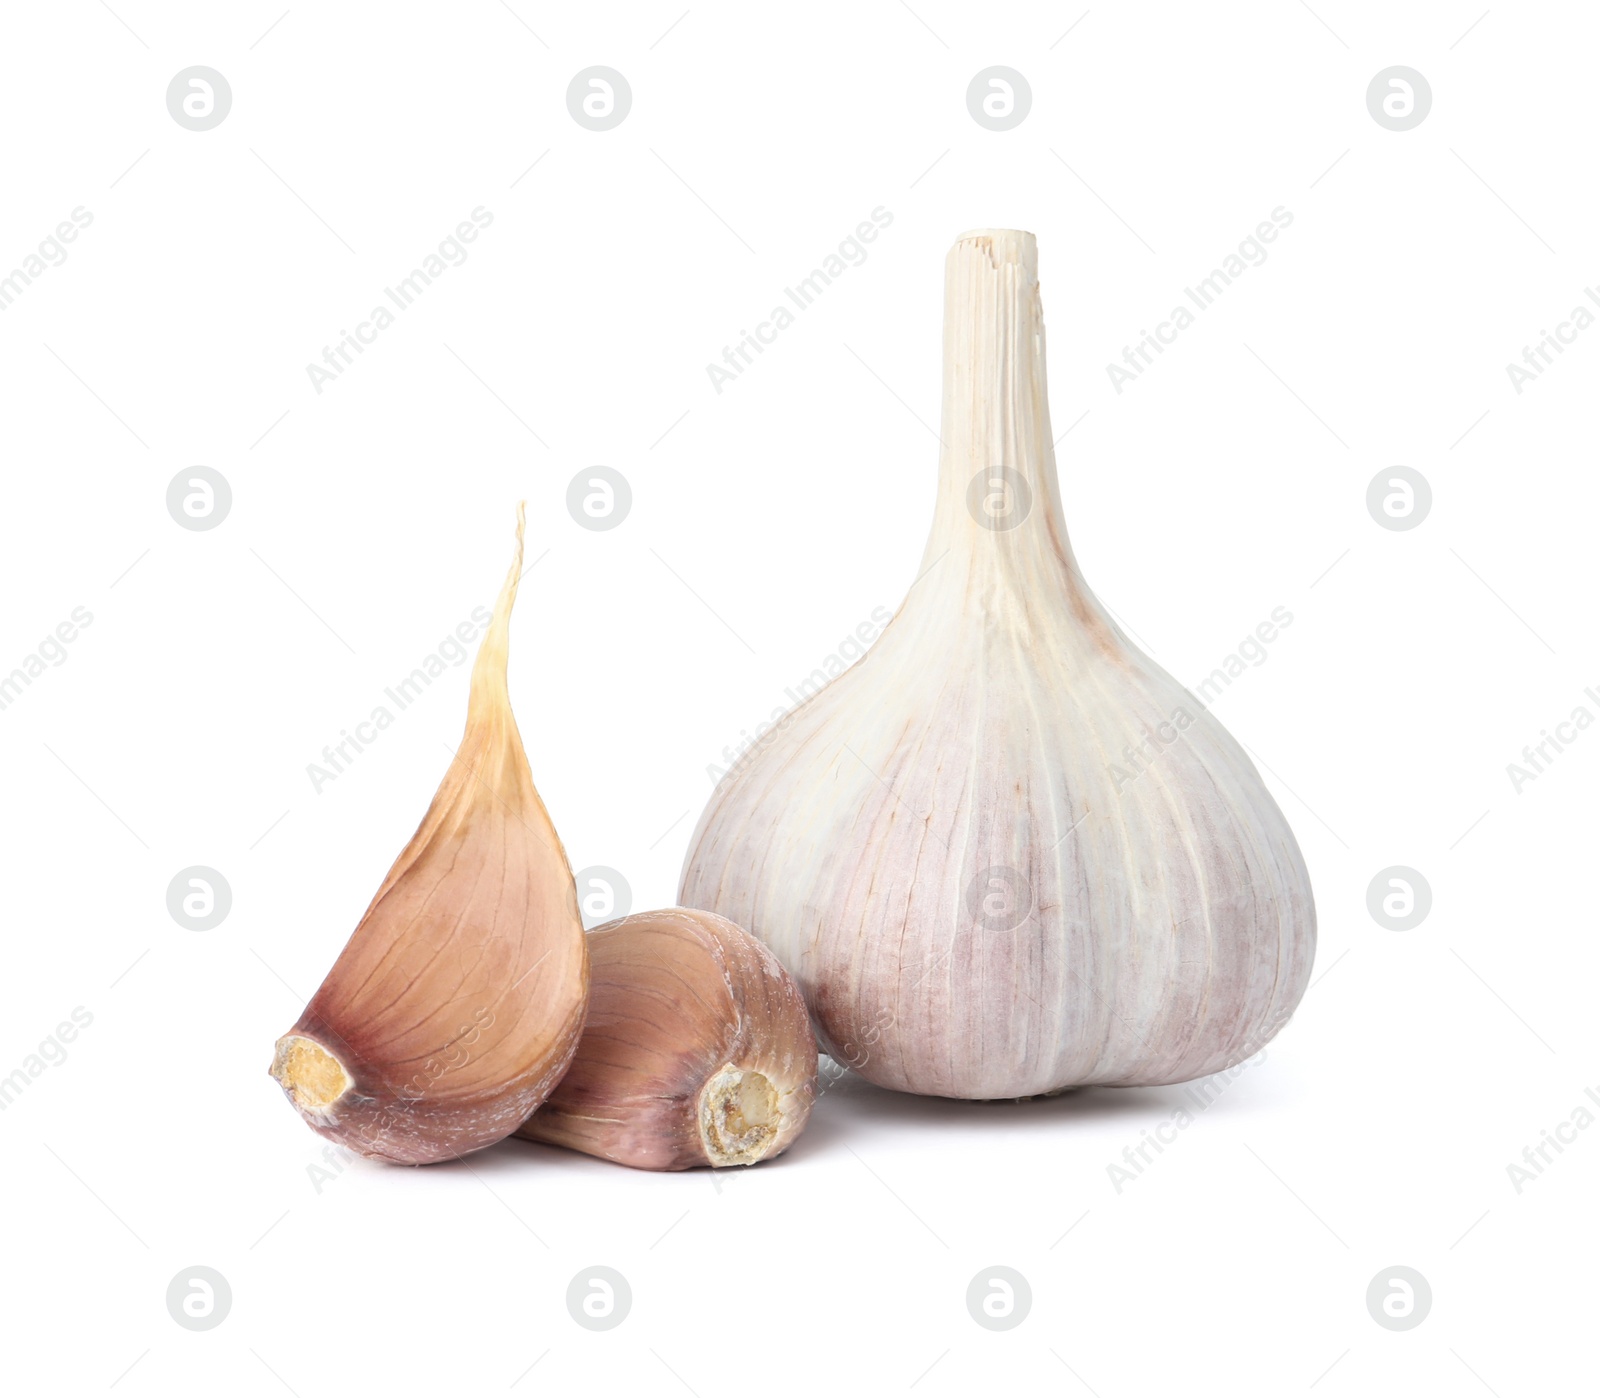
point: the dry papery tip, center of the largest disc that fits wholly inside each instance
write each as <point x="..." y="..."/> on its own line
<point x="1002" y="245"/>
<point x="739" y="1116"/>
<point x="312" y="1076"/>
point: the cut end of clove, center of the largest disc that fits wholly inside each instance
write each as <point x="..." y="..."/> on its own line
<point x="739" y="1116"/>
<point x="314" y="1079"/>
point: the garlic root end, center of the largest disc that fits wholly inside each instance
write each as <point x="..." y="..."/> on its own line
<point x="311" y="1076"/>
<point x="739" y="1116"/>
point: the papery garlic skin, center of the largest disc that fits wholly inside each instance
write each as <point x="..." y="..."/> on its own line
<point x="697" y="1049"/>
<point x="458" y="1001"/>
<point x="1006" y="853"/>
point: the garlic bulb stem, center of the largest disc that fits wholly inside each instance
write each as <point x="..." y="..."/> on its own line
<point x="998" y="517"/>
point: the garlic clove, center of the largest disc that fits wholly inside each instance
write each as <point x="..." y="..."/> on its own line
<point x="697" y="1049"/>
<point x="459" y="999"/>
<point x="1006" y="853"/>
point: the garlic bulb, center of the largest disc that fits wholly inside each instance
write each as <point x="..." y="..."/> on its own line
<point x="1005" y="853"/>
<point x="459" y="999"/>
<point x="697" y="1049"/>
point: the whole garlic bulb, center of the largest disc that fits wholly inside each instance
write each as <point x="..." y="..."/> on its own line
<point x="1006" y="853"/>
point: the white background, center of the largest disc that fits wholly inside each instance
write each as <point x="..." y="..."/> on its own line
<point x="767" y="523"/>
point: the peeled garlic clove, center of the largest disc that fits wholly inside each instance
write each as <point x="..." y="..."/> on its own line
<point x="1006" y="853"/>
<point x="459" y="999"/>
<point x="697" y="1049"/>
